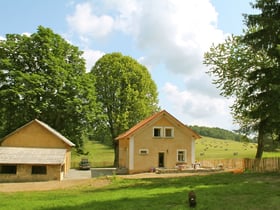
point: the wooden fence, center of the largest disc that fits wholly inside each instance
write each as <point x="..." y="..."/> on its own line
<point x="254" y="165"/>
<point x="262" y="165"/>
<point x="223" y="163"/>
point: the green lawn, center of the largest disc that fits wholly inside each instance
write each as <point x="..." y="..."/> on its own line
<point x="224" y="191"/>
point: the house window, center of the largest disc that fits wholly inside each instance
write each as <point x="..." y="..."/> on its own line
<point x="39" y="169"/>
<point x="143" y="151"/>
<point x="157" y="132"/>
<point x="181" y="155"/>
<point x="8" y="169"/>
<point x="169" y="132"/>
<point x="164" y="132"/>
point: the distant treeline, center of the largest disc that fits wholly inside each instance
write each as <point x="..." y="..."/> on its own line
<point x="219" y="133"/>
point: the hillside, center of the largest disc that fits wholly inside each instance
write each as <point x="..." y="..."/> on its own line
<point x="219" y="133"/>
<point x="213" y="148"/>
<point x="99" y="155"/>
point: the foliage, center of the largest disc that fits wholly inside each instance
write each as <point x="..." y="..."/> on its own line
<point x="218" y="133"/>
<point x="43" y="76"/>
<point x="246" y="68"/>
<point x="265" y="36"/>
<point x="232" y="65"/>
<point x="126" y="92"/>
<point x="218" y="191"/>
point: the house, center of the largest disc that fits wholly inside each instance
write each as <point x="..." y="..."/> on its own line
<point x="160" y="141"/>
<point x="34" y="152"/>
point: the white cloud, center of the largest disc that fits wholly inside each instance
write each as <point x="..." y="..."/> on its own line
<point x="173" y="32"/>
<point x="91" y="57"/>
<point x="198" y="109"/>
<point x="172" y="35"/>
<point x="201" y="84"/>
<point x="26" y="34"/>
<point x="85" y="22"/>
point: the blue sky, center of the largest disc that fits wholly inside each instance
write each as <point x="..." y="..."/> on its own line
<point x="169" y="37"/>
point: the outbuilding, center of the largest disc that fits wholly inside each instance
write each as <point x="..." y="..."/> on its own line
<point x="34" y="152"/>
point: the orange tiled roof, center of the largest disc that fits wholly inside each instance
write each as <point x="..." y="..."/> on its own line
<point x="138" y="125"/>
<point x="149" y="119"/>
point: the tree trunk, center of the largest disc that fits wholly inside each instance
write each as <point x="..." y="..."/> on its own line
<point x="260" y="139"/>
<point x="116" y="150"/>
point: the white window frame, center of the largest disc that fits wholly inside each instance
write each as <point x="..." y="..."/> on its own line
<point x="143" y="151"/>
<point x="172" y="132"/>
<point x="184" y="155"/>
<point x="161" y="132"/>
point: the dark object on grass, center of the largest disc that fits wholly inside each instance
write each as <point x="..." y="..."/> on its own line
<point x="192" y="199"/>
<point x="84" y="164"/>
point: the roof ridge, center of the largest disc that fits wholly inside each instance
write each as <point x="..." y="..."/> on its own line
<point x="55" y="132"/>
<point x="152" y="117"/>
<point x="139" y="125"/>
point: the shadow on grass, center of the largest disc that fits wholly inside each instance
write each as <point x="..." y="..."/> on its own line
<point x="161" y="201"/>
<point x="219" y="191"/>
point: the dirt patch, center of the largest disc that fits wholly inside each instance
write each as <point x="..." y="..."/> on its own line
<point x="52" y="185"/>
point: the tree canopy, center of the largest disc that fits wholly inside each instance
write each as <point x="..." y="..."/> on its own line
<point x="266" y="37"/>
<point x="126" y="92"/>
<point x="247" y="68"/>
<point x="43" y="76"/>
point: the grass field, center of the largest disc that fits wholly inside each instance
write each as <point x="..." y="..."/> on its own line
<point x="99" y="155"/>
<point x="224" y="191"/>
<point x="210" y="148"/>
<point x="206" y="148"/>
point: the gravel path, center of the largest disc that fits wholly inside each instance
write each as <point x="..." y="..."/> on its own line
<point x="78" y="174"/>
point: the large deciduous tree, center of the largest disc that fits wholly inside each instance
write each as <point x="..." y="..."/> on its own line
<point x="127" y="94"/>
<point x="266" y="37"/>
<point x="247" y="67"/>
<point x="43" y="76"/>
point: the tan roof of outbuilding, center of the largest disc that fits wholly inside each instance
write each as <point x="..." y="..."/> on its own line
<point x="25" y="155"/>
<point x="53" y="131"/>
<point x="59" y="135"/>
